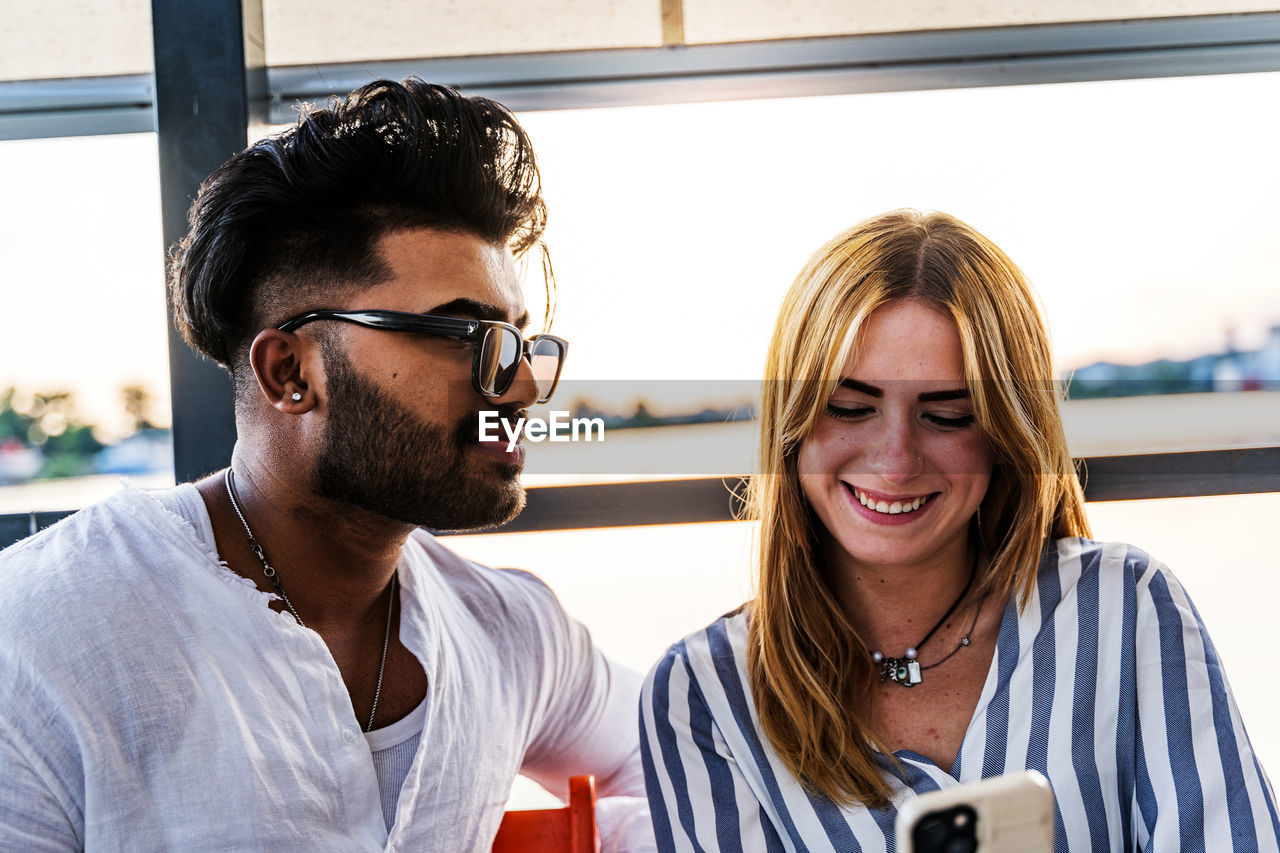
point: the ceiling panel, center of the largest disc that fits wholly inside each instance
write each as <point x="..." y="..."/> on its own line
<point x="87" y="38"/>
<point x="303" y="32"/>
<point x="74" y="38"/>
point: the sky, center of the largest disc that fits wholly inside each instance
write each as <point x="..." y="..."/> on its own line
<point x="1143" y="211"/>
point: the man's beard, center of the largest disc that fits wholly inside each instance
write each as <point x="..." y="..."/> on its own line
<point x="379" y="456"/>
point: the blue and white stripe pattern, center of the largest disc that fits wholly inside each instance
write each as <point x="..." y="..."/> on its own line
<point x="1106" y="683"/>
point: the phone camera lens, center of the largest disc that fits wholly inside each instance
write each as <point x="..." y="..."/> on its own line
<point x="947" y="831"/>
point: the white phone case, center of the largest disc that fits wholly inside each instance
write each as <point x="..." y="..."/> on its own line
<point x="1008" y="814"/>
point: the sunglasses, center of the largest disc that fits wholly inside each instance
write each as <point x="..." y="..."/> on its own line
<point x="498" y="348"/>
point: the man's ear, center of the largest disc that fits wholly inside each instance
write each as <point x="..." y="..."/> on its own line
<point x="281" y="364"/>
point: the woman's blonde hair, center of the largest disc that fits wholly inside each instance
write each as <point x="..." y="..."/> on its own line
<point x="811" y="674"/>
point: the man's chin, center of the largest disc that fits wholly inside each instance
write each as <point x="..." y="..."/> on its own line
<point x="510" y="505"/>
<point x="494" y="510"/>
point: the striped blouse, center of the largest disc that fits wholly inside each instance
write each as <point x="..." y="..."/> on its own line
<point x="1106" y="683"/>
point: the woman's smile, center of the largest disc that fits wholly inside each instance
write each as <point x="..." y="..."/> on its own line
<point x="889" y="509"/>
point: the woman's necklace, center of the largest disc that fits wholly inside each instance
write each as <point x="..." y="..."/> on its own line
<point x="906" y="669"/>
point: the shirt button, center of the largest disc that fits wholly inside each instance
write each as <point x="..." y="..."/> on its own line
<point x="349" y="734"/>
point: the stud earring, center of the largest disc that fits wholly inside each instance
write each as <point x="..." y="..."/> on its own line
<point x="296" y="396"/>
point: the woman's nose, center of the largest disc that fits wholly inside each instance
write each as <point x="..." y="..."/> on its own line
<point x="895" y="456"/>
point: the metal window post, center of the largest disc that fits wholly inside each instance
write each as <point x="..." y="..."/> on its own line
<point x="210" y="83"/>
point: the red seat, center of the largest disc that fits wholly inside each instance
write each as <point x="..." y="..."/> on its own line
<point x="568" y="830"/>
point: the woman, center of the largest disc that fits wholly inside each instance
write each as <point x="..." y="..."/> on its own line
<point x="928" y="611"/>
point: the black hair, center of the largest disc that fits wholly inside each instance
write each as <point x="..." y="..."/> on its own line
<point x="296" y="217"/>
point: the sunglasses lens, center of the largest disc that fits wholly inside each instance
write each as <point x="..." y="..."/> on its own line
<point x="500" y="356"/>
<point x="499" y="359"/>
<point x="545" y="354"/>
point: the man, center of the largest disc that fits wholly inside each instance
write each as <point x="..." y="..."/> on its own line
<point x="277" y="657"/>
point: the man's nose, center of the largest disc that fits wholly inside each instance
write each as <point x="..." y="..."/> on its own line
<point x="524" y="391"/>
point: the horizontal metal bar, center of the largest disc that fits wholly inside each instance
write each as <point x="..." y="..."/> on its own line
<point x="84" y="106"/>
<point x="805" y="82"/>
<point x="707" y="499"/>
<point x="994" y="56"/>
<point x="823" y="66"/>
<point x="86" y="122"/>
<point x="124" y="90"/>
<point x="690" y="501"/>
<point x="15" y="526"/>
<point x="1181" y="475"/>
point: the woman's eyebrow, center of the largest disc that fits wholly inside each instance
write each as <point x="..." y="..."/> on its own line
<point x="925" y="396"/>
<point x="950" y="394"/>
<point x="861" y="387"/>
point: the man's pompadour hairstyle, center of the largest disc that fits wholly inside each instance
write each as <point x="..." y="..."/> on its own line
<point x="297" y="216"/>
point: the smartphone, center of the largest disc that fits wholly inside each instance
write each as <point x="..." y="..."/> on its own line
<point x="1004" y="814"/>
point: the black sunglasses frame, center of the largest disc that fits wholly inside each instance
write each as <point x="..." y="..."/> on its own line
<point x="445" y="327"/>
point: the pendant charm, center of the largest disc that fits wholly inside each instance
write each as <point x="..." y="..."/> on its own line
<point x="903" y="671"/>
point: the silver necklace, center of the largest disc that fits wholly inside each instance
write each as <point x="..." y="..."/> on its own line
<point x="274" y="578"/>
<point x="906" y="670"/>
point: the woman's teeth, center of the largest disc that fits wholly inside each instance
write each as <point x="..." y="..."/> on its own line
<point x="895" y="508"/>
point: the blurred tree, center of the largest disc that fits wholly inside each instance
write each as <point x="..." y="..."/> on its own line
<point x="137" y="405"/>
<point x="52" y="412"/>
<point x="50" y="423"/>
<point x="69" y="444"/>
<point x="642" y="417"/>
<point x="13" y="423"/>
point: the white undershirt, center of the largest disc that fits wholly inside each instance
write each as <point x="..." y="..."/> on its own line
<point x="392" y="747"/>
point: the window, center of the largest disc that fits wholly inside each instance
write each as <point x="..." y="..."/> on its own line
<point x="1142" y="211"/>
<point x="84" y="317"/>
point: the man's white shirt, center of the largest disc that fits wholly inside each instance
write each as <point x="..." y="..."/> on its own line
<point x="151" y="700"/>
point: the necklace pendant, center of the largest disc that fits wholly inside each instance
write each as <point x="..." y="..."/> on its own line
<point x="902" y="671"/>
